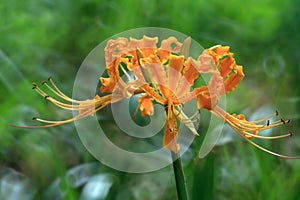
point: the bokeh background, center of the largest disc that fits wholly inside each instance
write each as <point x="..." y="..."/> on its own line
<point x="42" y="38"/>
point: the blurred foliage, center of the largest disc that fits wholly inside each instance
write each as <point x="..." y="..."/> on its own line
<point x="42" y="38"/>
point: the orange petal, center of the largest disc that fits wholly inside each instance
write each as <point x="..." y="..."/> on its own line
<point x="176" y="62"/>
<point x="205" y="63"/>
<point x="233" y="80"/>
<point x="145" y="42"/>
<point x="107" y="85"/>
<point x="171" y="44"/>
<point x="150" y="91"/>
<point x="115" y="48"/>
<point x="146" y="105"/>
<point x="163" y="55"/>
<point x="171" y="135"/>
<point x="190" y="72"/>
<point x="216" y="85"/>
<point x="112" y="68"/>
<point x="223" y="58"/>
<point x="221" y="50"/>
<point x="226" y="65"/>
<point x="205" y="99"/>
<point x="174" y="69"/>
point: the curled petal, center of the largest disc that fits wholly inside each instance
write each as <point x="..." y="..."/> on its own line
<point x="107" y="85"/>
<point x="147" y="45"/>
<point x="171" y="44"/>
<point x="233" y="80"/>
<point x="223" y="58"/>
<point x="146" y="105"/>
<point x="145" y="42"/>
<point x="205" y="99"/>
<point x="115" y="48"/>
<point x="226" y="64"/>
<point x="205" y="63"/>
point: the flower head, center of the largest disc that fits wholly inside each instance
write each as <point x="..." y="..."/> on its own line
<point x="165" y="75"/>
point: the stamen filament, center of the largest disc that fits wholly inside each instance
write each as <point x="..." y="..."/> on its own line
<point x="59" y="95"/>
<point x="266" y="118"/>
<point x="267" y="137"/>
<point x="246" y="125"/>
<point x="60" y="92"/>
<point x="232" y="121"/>
<point x="270" y="152"/>
<point x="125" y="72"/>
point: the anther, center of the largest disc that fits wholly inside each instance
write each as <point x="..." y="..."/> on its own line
<point x="291" y="134"/>
<point x="34" y="118"/>
<point x="276" y="113"/>
<point x="288" y="121"/>
<point x="49" y="78"/>
<point x="268" y="122"/>
<point x="46" y="96"/>
<point x="43" y="82"/>
<point x="282" y="121"/>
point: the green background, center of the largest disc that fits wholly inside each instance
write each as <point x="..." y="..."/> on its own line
<point x="42" y="38"/>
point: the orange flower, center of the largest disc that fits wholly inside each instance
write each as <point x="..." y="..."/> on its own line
<point x="166" y="75"/>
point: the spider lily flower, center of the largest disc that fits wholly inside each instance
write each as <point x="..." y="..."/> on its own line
<point x="165" y="75"/>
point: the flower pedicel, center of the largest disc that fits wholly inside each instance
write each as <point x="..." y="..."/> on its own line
<point x="165" y="75"/>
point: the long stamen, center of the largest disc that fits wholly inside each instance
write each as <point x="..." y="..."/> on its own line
<point x="135" y="112"/>
<point x="193" y="117"/>
<point x="84" y="104"/>
<point x="57" y="123"/>
<point x="61" y="93"/>
<point x="232" y="121"/>
<point x="187" y="121"/>
<point x="268" y="137"/>
<point x="246" y="125"/>
<point x="177" y="113"/>
<point x="126" y="73"/>
<point x="267" y="118"/>
<point x="246" y="131"/>
<point x="85" y="108"/>
<point x="270" y="152"/>
<point x="66" y="98"/>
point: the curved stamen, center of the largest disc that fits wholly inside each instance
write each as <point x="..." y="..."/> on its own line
<point x="57" y="123"/>
<point x="246" y="130"/>
<point x="83" y="105"/>
<point x="270" y="152"/>
<point x="267" y="137"/>
<point x="61" y="93"/>
<point x="245" y="134"/>
<point x="267" y="118"/>
<point x="246" y="125"/>
<point x="187" y="121"/>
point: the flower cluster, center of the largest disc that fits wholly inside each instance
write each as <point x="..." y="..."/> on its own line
<point x="166" y="75"/>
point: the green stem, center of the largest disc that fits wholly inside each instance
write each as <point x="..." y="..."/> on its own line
<point x="179" y="177"/>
